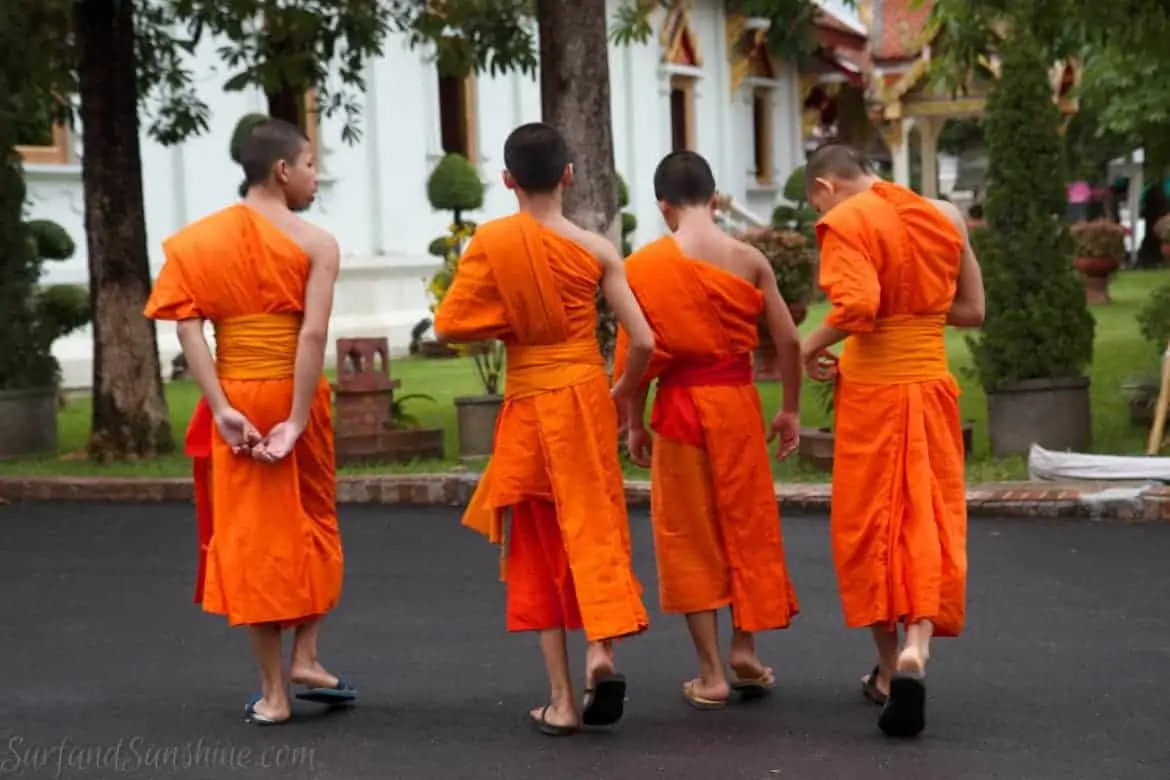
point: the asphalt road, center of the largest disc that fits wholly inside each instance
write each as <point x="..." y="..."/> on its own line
<point x="1062" y="674"/>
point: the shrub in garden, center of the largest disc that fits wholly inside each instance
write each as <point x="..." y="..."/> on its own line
<point x="1038" y="325"/>
<point x="35" y="316"/>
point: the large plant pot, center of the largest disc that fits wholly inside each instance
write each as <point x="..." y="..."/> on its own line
<point x="1053" y="413"/>
<point x="816" y="448"/>
<point x="767" y="362"/>
<point x="476" y="417"/>
<point x="1095" y="271"/>
<point x="1143" y="397"/>
<point x="1165" y="253"/>
<point x="28" y="422"/>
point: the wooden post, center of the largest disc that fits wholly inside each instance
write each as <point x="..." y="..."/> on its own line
<point x="1158" y="430"/>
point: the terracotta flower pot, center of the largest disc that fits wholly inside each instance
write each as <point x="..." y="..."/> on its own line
<point x="1166" y="251"/>
<point x="1095" y="271"/>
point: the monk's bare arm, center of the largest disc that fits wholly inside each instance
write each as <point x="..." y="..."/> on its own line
<point x="616" y="289"/>
<point x="637" y="408"/>
<point x="202" y="365"/>
<point x="780" y="326"/>
<point x="969" y="306"/>
<point x="325" y="260"/>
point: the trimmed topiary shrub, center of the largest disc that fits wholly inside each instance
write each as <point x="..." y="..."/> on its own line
<point x="454" y="186"/>
<point x="35" y="316"/>
<point x="1037" y="325"/>
<point x="629" y="221"/>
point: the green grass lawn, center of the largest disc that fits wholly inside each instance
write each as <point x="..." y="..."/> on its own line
<point x="1120" y="355"/>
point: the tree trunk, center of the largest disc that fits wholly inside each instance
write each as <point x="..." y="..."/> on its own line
<point x="574" y="98"/>
<point x="130" y="417"/>
<point x="286" y="104"/>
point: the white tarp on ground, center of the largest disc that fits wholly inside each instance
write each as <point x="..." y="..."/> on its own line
<point x="1063" y="466"/>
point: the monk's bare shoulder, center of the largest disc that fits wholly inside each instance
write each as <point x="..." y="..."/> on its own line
<point x="318" y="243"/>
<point x="597" y="245"/>
<point x="748" y="261"/>
<point x="951" y="212"/>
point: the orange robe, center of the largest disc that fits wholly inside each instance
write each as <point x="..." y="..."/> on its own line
<point x="555" y="464"/>
<point x="889" y="265"/>
<point x="270" y="547"/>
<point x="717" y="533"/>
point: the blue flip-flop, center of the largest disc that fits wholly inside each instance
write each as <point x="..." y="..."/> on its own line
<point x="344" y="693"/>
<point x="255" y="718"/>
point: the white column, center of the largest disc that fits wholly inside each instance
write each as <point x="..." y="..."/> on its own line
<point x="929" y="129"/>
<point x="896" y="134"/>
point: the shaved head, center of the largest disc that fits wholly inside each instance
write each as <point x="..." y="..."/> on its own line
<point x="684" y="179"/>
<point x="838" y="161"/>
<point x="269" y="142"/>
<point x="833" y="173"/>
<point x="536" y="157"/>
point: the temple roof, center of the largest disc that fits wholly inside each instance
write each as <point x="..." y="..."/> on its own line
<point x="898" y="29"/>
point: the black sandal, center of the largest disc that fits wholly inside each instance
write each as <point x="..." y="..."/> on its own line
<point x="551" y="729"/>
<point x="605" y="702"/>
<point x="905" y="713"/>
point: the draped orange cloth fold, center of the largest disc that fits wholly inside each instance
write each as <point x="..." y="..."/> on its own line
<point x="270" y="547"/>
<point x="556" y="436"/>
<point x="717" y="532"/>
<point x="889" y="264"/>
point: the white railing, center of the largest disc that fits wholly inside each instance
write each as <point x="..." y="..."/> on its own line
<point x="734" y="218"/>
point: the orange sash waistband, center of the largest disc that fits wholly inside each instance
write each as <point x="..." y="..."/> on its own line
<point x="900" y="350"/>
<point x="539" y="368"/>
<point x="722" y="371"/>
<point x="261" y="346"/>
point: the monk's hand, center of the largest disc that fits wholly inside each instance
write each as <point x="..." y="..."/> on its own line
<point x="639" y="442"/>
<point x="237" y="430"/>
<point x="279" y="442"/>
<point x="820" y="365"/>
<point x="785" y="425"/>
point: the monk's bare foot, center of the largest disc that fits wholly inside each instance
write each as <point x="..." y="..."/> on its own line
<point x="311" y="674"/>
<point x="912" y="660"/>
<point x="269" y="710"/>
<point x="556" y="718"/>
<point x="598" y="662"/>
<point x="877" y="680"/>
<point x="706" y="696"/>
<point x="748" y="667"/>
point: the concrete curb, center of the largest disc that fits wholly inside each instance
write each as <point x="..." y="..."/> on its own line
<point x="1146" y="503"/>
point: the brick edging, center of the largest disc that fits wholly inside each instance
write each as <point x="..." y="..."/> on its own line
<point x="1007" y="500"/>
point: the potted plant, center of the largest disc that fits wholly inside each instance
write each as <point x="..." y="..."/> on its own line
<point x="1162" y="231"/>
<point x="1100" y="251"/>
<point x="816" y="444"/>
<point x="455" y="186"/>
<point x="792" y="258"/>
<point x="33" y="318"/>
<point x="1037" y="338"/>
<point x="405" y="438"/>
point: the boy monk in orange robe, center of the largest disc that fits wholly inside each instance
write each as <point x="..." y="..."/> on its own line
<point x="713" y="502"/>
<point x="897" y="269"/>
<point x="531" y="280"/>
<point x="262" y="434"/>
